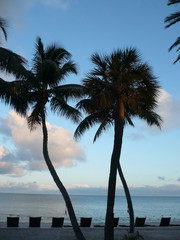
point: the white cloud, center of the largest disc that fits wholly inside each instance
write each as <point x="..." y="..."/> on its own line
<point x="34" y="187"/>
<point x="169" y="110"/>
<point x="63" y="150"/>
<point x="16" y="11"/>
<point x="30" y="187"/>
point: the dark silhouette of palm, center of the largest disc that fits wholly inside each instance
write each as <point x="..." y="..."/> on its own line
<point x="3" y="26"/>
<point x="41" y="86"/>
<point x="12" y="63"/>
<point x="9" y="61"/>
<point x="118" y="88"/>
<point x="171" y="20"/>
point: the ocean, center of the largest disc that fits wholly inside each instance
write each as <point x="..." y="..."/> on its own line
<point x="48" y="206"/>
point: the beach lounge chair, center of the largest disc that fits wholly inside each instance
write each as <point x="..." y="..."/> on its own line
<point x="140" y="221"/>
<point x="57" y="222"/>
<point x="12" y="221"/>
<point x="116" y="220"/>
<point x="34" y="221"/>
<point x="164" y="221"/>
<point x="85" y="222"/>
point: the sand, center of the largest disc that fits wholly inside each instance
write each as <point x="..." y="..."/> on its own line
<point x="149" y="233"/>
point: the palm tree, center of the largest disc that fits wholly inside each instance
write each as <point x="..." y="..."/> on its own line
<point x="119" y="87"/>
<point x="40" y="87"/>
<point x="171" y="20"/>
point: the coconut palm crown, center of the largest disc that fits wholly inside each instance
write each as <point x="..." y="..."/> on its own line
<point x="49" y="69"/>
<point x="171" y="20"/>
<point x="120" y="77"/>
<point x="119" y="88"/>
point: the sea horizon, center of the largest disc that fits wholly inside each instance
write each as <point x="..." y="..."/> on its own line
<point x="52" y="205"/>
<point x="88" y="194"/>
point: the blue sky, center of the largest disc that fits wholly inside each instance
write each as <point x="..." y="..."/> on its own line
<point x="150" y="157"/>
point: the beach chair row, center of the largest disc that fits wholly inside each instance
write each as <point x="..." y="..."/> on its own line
<point x="56" y="222"/>
<point x="84" y="222"/>
<point x="36" y="222"/>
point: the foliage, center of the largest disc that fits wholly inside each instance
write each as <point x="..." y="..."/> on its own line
<point x="118" y="77"/>
<point x="171" y="20"/>
<point x="3" y="26"/>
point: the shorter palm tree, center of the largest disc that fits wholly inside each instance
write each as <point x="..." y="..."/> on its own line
<point x="171" y="20"/>
<point x="119" y="88"/>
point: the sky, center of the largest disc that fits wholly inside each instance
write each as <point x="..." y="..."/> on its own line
<point x="150" y="157"/>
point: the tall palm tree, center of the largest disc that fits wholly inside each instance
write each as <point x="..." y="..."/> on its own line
<point x="171" y="20"/>
<point x="41" y="86"/>
<point x="119" y="87"/>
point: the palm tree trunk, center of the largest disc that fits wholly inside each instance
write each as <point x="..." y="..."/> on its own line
<point x="128" y="198"/>
<point x="109" y="222"/>
<point x="76" y="228"/>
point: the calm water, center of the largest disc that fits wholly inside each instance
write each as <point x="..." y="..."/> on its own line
<point x="48" y="206"/>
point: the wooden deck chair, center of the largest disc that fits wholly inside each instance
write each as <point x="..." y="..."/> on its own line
<point x="85" y="222"/>
<point x="140" y="221"/>
<point x="34" y="221"/>
<point x="12" y="221"/>
<point x="57" y="222"/>
<point x="164" y="221"/>
<point x="116" y="220"/>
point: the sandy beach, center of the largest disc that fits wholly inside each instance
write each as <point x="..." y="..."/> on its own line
<point x="149" y="233"/>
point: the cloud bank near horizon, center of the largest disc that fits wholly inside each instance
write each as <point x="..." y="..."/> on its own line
<point x="25" y="151"/>
<point x="35" y="188"/>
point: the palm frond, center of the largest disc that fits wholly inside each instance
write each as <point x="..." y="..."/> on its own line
<point x="175" y="44"/>
<point x="39" y="55"/>
<point x="86" y="105"/>
<point x="107" y="123"/>
<point x="86" y="124"/>
<point x="3" y="26"/>
<point x="128" y="119"/>
<point x="68" y="68"/>
<point x="173" y="2"/>
<point x="67" y="91"/>
<point x="100" y="62"/>
<point x="60" y="106"/>
<point x="11" y="93"/>
<point x="151" y="118"/>
<point x="34" y="119"/>
<point x="57" y="54"/>
<point x="13" y="63"/>
<point x="172" y="19"/>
